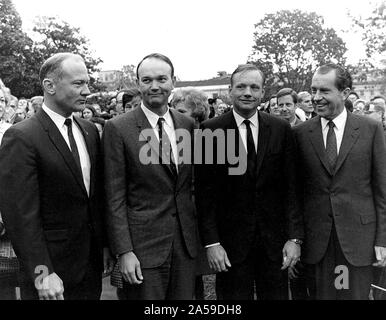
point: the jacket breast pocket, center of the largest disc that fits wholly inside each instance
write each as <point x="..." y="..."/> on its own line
<point x="369" y="218"/>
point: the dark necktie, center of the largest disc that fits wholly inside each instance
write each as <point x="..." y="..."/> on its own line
<point x="251" y="150"/>
<point x="74" y="148"/>
<point x="331" y="145"/>
<point x="165" y="147"/>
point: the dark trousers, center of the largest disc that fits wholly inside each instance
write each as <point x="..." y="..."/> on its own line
<point x="303" y="286"/>
<point x="8" y="287"/>
<point x="359" y="278"/>
<point x="89" y="288"/>
<point x="173" y="280"/>
<point x="256" y="271"/>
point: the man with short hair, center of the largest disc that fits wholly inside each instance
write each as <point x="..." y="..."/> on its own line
<point x="379" y="102"/>
<point x="249" y="221"/>
<point x="150" y="214"/>
<point x="305" y="110"/>
<point x="342" y="175"/>
<point x="52" y="159"/>
<point x="36" y="103"/>
<point x="286" y="105"/>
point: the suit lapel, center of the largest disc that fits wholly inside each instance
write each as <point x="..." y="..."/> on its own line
<point x="263" y="140"/>
<point x="350" y="136"/>
<point x="61" y="145"/>
<point x="316" y="138"/>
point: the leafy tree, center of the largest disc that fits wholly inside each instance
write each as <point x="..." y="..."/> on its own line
<point x="18" y="59"/>
<point x="289" y="45"/>
<point x="58" y="36"/>
<point x="372" y="28"/>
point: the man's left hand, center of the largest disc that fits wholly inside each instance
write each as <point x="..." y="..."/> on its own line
<point x="291" y="254"/>
<point x="380" y="254"/>
<point x="108" y="262"/>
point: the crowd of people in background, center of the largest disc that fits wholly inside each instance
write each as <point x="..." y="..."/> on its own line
<point x="287" y="104"/>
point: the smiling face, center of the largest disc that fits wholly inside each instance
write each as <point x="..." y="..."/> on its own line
<point x="327" y="98"/>
<point x="246" y="92"/>
<point x="155" y="83"/>
<point x="71" y="89"/>
<point x="286" y="107"/>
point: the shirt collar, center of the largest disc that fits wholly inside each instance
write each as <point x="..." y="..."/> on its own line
<point x="56" y="117"/>
<point x="239" y="119"/>
<point x="153" y="117"/>
<point x="339" y="121"/>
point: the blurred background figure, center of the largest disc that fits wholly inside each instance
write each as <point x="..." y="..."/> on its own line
<point x="36" y="103"/>
<point x="359" y="106"/>
<point x="13" y="102"/>
<point x="287" y="100"/>
<point x="4" y="125"/>
<point x="89" y="113"/>
<point x="20" y="115"/>
<point x="305" y="110"/>
<point x="131" y="99"/>
<point x="353" y="96"/>
<point x="8" y="276"/>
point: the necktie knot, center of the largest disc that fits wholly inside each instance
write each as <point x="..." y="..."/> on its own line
<point x="247" y="123"/>
<point x="160" y="121"/>
<point x="68" y="122"/>
<point x="331" y="124"/>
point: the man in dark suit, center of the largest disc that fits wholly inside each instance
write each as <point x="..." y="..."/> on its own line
<point x="50" y="189"/>
<point x="151" y="217"/>
<point x="342" y="160"/>
<point x="249" y="221"/>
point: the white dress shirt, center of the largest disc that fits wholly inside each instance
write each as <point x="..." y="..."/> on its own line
<point x="80" y="143"/>
<point x="254" y="123"/>
<point x="168" y="125"/>
<point x="340" y="124"/>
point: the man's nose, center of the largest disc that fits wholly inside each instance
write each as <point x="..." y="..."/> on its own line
<point x="154" y="85"/>
<point x="86" y="91"/>
<point x="247" y="92"/>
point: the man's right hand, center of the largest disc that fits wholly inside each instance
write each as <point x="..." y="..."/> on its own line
<point x="50" y="288"/>
<point x="130" y="268"/>
<point x="217" y="258"/>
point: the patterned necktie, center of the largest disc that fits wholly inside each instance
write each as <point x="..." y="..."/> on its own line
<point x="165" y="147"/>
<point x="251" y="150"/>
<point x="331" y="145"/>
<point x="74" y="148"/>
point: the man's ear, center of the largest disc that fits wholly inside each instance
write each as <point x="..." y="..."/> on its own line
<point x="49" y="86"/>
<point x="346" y="93"/>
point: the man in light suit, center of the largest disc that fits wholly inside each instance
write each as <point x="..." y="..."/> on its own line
<point x="249" y="221"/>
<point x="51" y="194"/>
<point x="151" y="217"/>
<point x="342" y="160"/>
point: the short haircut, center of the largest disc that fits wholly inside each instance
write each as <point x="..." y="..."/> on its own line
<point x="288" y="92"/>
<point x="158" y="56"/>
<point x="343" y="78"/>
<point x="247" y="67"/>
<point x="302" y="95"/>
<point x="39" y="98"/>
<point x="52" y="67"/>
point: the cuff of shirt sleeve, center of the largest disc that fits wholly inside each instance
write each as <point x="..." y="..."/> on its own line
<point x="212" y="245"/>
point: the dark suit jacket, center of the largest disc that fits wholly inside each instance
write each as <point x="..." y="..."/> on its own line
<point x="222" y="198"/>
<point x="142" y="200"/>
<point x="48" y="215"/>
<point x="353" y="196"/>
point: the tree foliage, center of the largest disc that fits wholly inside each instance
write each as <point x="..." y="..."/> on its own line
<point x="21" y="57"/>
<point x="289" y="45"/>
<point x="373" y="28"/>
